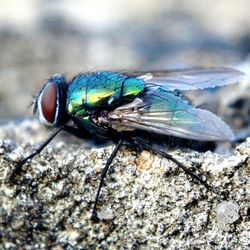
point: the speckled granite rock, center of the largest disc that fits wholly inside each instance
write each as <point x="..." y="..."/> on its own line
<point x="146" y="203"/>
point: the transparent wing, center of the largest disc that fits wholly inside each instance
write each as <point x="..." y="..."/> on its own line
<point x="163" y="112"/>
<point x="190" y="79"/>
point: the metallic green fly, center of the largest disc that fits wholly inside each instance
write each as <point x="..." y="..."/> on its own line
<point x="116" y="106"/>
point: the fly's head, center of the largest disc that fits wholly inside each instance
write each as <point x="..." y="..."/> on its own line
<point x="51" y="102"/>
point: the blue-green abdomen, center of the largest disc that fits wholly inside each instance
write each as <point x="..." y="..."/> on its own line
<point x="99" y="90"/>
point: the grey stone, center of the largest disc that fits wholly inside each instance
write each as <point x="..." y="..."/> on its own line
<point x="146" y="202"/>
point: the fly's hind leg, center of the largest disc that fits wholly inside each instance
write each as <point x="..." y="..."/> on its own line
<point x="171" y="158"/>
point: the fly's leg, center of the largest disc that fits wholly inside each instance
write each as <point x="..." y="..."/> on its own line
<point x="170" y="157"/>
<point x="18" y="168"/>
<point x="103" y="175"/>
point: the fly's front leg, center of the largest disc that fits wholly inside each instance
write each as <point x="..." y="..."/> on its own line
<point x="18" y="168"/>
<point x="103" y="175"/>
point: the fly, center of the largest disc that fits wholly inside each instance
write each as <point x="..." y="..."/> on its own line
<point x="112" y="105"/>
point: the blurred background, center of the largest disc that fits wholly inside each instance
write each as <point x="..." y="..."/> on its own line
<point x="40" y="37"/>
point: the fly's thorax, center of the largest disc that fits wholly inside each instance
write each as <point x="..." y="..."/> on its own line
<point x="100" y="90"/>
<point x="51" y="101"/>
<point x="76" y="107"/>
<point x="76" y="96"/>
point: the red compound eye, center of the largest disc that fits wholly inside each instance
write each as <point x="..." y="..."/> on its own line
<point x="49" y="102"/>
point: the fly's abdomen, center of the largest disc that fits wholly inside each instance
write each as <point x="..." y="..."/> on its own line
<point x="100" y="90"/>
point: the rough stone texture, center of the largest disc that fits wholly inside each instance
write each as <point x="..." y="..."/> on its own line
<point x="146" y="203"/>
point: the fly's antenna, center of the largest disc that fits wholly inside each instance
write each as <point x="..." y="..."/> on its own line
<point x="32" y="103"/>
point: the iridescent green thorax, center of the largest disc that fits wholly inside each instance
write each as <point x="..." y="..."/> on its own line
<point x="99" y="90"/>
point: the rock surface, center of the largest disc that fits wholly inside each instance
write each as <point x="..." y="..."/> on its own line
<point x="146" y="202"/>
